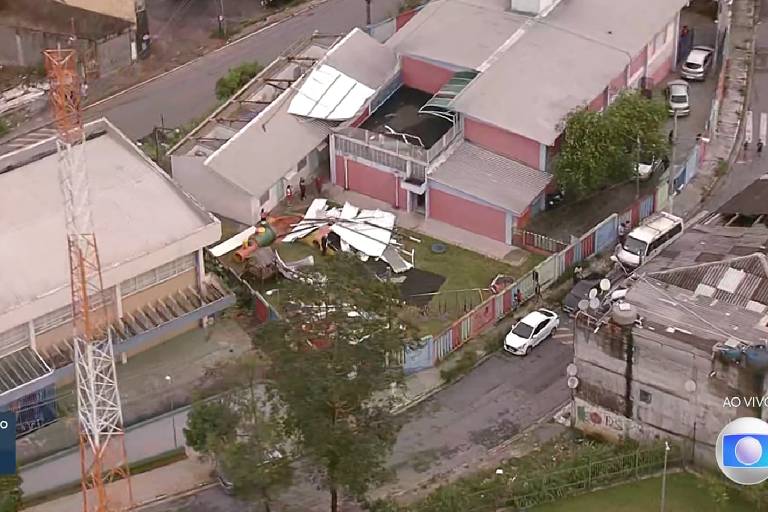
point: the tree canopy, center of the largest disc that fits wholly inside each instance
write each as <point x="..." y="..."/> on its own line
<point x="330" y="355"/>
<point x="601" y="148"/>
<point x="236" y="78"/>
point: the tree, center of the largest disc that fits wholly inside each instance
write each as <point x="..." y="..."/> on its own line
<point x="10" y="493"/>
<point x="209" y="425"/>
<point x="235" y="79"/>
<point x="601" y="148"/>
<point x="329" y="357"/>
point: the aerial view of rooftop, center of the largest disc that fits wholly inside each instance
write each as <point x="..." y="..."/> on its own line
<point x="383" y="255"/>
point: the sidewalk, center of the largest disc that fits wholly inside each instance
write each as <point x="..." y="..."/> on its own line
<point x="728" y="133"/>
<point x="173" y="479"/>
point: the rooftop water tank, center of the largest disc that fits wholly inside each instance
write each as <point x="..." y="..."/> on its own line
<point x="623" y="313"/>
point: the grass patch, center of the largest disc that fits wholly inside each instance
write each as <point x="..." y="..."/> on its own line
<point x="685" y="492"/>
<point x="236" y="78"/>
<point x="722" y="167"/>
<point x="4" y="127"/>
<point x="142" y="466"/>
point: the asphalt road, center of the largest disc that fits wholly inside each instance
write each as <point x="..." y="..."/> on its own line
<point x="749" y="164"/>
<point x="188" y="93"/>
<point x="448" y="432"/>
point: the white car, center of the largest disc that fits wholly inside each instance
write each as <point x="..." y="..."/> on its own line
<point x="534" y="328"/>
<point x="678" y="102"/>
<point x="697" y="63"/>
<point x="647" y="167"/>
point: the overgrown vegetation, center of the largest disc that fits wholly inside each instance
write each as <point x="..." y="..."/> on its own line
<point x="600" y="149"/>
<point x="10" y="493"/>
<point x="4" y="127"/>
<point x="559" y="468"/>
<point x="236" y="78"/>
<point x="462" y="366"/>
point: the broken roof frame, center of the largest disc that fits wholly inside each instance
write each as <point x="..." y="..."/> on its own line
<point x="440" y="104"/>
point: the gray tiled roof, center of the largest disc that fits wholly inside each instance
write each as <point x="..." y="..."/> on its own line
<point x="492" y="178"/>
<point x="753" y="200"/>
<point x="741" y="281"/>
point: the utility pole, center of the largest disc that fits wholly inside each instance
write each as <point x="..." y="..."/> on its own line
<point x="368" y="12"/>
<point x="637" y="168"/>
<point x="664" y="477"/>
<point x="222" y="24"/>
<point x="671" y="170"/>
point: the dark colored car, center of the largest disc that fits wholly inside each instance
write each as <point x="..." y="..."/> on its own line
<point x="579" y="292"/>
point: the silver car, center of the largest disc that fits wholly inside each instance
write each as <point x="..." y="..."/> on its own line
<point x="697" y="63"/>
<point x="678" y="100"/>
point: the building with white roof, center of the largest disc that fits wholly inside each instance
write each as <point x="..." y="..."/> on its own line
<point x="151" y="236"/>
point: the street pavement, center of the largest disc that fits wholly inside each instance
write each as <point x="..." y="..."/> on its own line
<point x="749" y="164"/>
<point x="187" y="93"/>
<point x="446" y="434"/>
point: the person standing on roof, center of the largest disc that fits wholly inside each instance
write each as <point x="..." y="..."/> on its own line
<point x="263" y="216"/>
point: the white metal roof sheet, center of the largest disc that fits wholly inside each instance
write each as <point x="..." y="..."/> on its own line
<point x="329" y="94"/>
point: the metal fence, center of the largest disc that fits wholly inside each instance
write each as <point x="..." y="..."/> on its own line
<point x="555" y="485"/>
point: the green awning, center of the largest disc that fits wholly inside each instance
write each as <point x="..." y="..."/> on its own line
<point x="440" y="104"/>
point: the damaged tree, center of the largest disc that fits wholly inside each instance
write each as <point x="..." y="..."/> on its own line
<point x="330" y="355"/>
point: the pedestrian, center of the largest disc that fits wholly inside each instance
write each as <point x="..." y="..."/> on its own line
<point x="302" y="189"/>
<point x="684" y="31"/>
<point x="518" y="298"/>
<point x="759" y="146"/>
<point x="84" y="90"/>
<point x="288" y="195"/>
<point x="698" y="138"/>
<point x="319" y="185"/>
<point x="263" y="216"/>
<point x="622" y="232"/>
<point x="324" y="245"/>
<point x="577" y="274"/>
<point x="671" y="136"/>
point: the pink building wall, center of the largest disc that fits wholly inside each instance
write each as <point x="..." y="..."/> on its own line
<point x="638" y="62"/>
<point x="503" y="142"/>
<point x="466" y="214"/>
<point x="340" y="171"/>
<point x="424" y="76"/>
<point x="404" y="18"/>
<point x="366" y="180"/>
<point x="403" y="197"/>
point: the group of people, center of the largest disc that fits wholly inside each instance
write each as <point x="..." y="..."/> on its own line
<point x="303" y="190"/>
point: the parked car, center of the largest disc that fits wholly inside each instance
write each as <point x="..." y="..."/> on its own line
<point x="697" y="63"/>
<point x="534" y="328"/>
<point x="554" y="199"/>
<point x="579" y="292"/>
<point x="647" y="166"/>
<point x="678" y="101"/>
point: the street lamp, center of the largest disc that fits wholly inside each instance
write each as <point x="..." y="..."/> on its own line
<point x="664" y="476"/>
<point x="173" y="414"/>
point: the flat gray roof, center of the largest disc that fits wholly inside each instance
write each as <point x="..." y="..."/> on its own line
<point x="455" y="32"/>
<point x="361" y="57"/>
<point x="142" y="219"/>
<point x="492" y="178"/>
<point x="530" y="86"/>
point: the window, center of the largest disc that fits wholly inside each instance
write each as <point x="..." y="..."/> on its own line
<point x="645" y="396"/>
<point x="53" y="319"/>
<point x="14" y="339"/>
<point x="157" y="275"/>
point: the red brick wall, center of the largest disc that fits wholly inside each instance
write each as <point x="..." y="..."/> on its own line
<point x="463" y="213"/>
<point x="424" y="76"/>
<point x="371" y="182"/>
<point x="503" y="142"/>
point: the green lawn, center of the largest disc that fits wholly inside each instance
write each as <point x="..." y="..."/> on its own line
<point x="685" y="493"/>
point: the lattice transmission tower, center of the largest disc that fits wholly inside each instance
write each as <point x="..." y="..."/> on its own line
<point x="105" y="478"/>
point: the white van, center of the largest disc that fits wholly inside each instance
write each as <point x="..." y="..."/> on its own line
<point x="648" y="239"/>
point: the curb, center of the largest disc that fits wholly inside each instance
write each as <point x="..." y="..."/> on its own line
<point x="428" y="394"/>
<point x="202" y="486"/>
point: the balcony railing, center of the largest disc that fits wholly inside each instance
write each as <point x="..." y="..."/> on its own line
<point x="409" y="159"/>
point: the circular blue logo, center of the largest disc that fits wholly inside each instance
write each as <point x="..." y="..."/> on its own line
<point x="742" y="451"/>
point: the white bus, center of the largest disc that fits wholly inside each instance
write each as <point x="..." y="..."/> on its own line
<point x="648" y="239"/>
